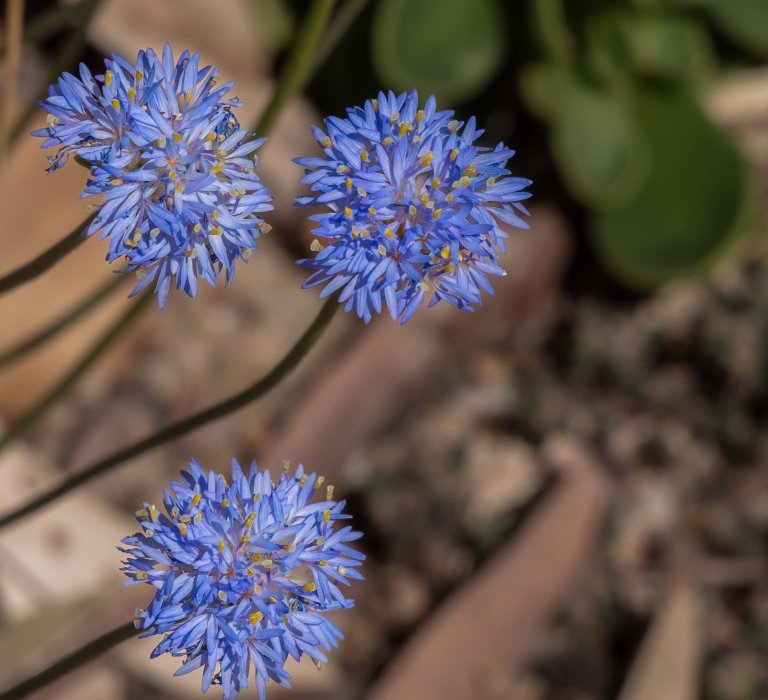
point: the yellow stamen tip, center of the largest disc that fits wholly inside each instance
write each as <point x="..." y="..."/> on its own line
<point x="116" y="103"/>
<point x="310" y="587"/>
<point x="445" y="253"/>
<point x="221" y="546"/>
<point x="256" y="617"/>
<point x="177" y="136"/>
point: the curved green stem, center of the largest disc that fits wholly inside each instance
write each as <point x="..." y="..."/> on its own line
<point x="45" y="261"/>
<point x="80" y="656"/>
<point x="39" y="409"/>
<point x="72" y="315"/>
<point x="176" y="430"/>
<point x="300" y="64"/>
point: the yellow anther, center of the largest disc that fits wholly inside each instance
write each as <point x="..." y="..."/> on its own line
<point x="250" y="571"/>
<point x="348" y="212"/>
<point x="222" y="596"/>
<point x="394" y="117"/>
<point x="267" y="564"/>
<point x="361" y="192"/>
<point x="139" y="75"/>
<point x="386" y="140"/>
<point x="116" y="103"/>
<point x="418" y="138"/>
<point x="326" y="141"/>
<point x="341" y="168"/>
<point x="142" y="514"/>
<point x="435" y="183"/>
<point x="182" y="529"/>
<point x="445" y="253"/>
<point x="315" y="246"/>
<point x="405" y="128"/>
<point x="116" y="181"/>
<point x="153" y="512"/>
<point x="453" y="125"/>
<point x="430" y="204"/>
<point x="420" y="115"/>
<point x="191" y="253"/>
<point x="185" y="518"/>
<point x="225" y="502"/>
<point x="171" y="174"/>
<point x="286" y="465"/>
<point x="217" y="167"/>
<point x="108" y="78"/>
<point x="188" y="95"/>
<point x="217" y="231"/>
<point x="175" y="512"/>
<point x="160" y="143"/>
<point x="255" y="617"/>
<point x="256" y="557"/>
<point x="215" y="214"/>
<point x="424" y="197"/>
<point x="197" y="228"/>
<point x="241" y="191"/>
<point x="210" y="136"/>
<point x="264" y="227"/>
<point x="154" y="233"/>
<point x="141" y="575"/>
<point x="436" y="213"/>
<point x="131" y="243"/>
<point x="470" y="170"/>
<point x="179" y="187"/>
<point x="246" y="538"/>
<point x="413" y="211"/>
<point x="371" y="211"/>
<point x="348" y="183"/>
<point x="319" y="481"/>
<point x="375" y="105"/>
<point x="427" y="159"/>
<point x="342" y="571"/>
<point x="176" y="136"/>
<point x="131" y="94"/>
<point x="464" y="180"/>
<point x="249" y="520"/>
<point x="326" y="515"/>
<point x="311" y="587"/>
<point x="221" y="546"/>
<point x="355" y="234"/>
<point x="197" y="517"/>
<point x="257" y="589"/>
<point x="329" y="492"/>
<point x="323" y="562"/>
<point x="365" y="233"/>
<point x="381" y="250"/>
<point x="454" y="154"/>
<point x="320" y="541"/>
<point x="490" y="182"/>
<point x="196" y="499"/>
<point x="388" y="232"/>
<point x="363" y="155"/>
<point x="290" y="547"/>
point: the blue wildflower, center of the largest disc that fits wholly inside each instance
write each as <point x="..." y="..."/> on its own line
<point x="181" y="198"/>
<point x="243" y="573"/>
<point x="414" y="207"/>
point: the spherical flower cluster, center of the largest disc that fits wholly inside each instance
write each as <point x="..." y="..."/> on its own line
<point x="181" y="198"/>
<point x="414" y="207"/>
<point x="243" y="573"/>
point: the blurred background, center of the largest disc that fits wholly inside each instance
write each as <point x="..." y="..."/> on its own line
<point x="565" y="495"/>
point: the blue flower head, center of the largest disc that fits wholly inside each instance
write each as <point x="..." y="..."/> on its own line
<point x="181" y="198"/>
<point x="413" y="207"/>
<point x="243" y="573"/>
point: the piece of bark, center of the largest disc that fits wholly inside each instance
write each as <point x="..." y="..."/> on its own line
<point x="667" y="666"/>
<point x="389" y="365"/>
<point x="490" y="624"/>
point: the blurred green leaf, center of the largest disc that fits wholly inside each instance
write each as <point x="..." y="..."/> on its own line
<point x="551" y="27"/>
<point x="744" y="21"/>
<point x="601" y="154"/>
<point x="448" y="48"/>
<point x="692" y="208"/>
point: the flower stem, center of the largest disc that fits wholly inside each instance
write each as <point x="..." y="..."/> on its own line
<point x="39" y="409"/>
<point x="38" y="338"/>
<point x="176" y="430"/>
<point x="14" y="19"/>
<point x="80" y="656"/>
<point x="342" y="21"/>
<point x="301" y="62"/>
<point x="45" y="261"/>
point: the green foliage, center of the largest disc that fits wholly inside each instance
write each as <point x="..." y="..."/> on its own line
<point x="692" y="208"/>
<point x="744" y="21"/>
<point x="448" y="48"/>
<point x="667" y="187"/>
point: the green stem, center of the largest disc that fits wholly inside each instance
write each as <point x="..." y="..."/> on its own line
<point x="46" y="260"/>
<point x="36" y="339"/>
<point x="341" y="23"/>
<point x="77" y="658"/>
<point x="39" y="409"/>
<point x="301" y="62"/>
<point x="176" y="430"/>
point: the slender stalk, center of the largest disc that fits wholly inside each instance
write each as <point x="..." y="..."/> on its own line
<point x="80" y="656"/>
<point x="14" y="18"/>
<point x="341" y="23"/>
<point x="74" y="314"/>
<point x="43" y="405"/>
<point x="301" y="62"/>
<point x="176" y="430"/>
<point x="46" y="260"/>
